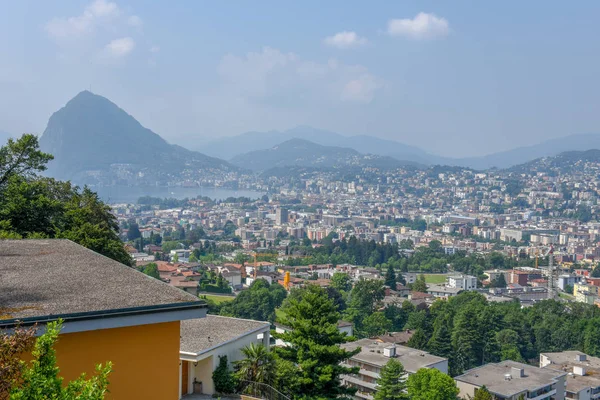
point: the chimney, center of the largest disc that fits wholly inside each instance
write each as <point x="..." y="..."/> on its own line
<point x="517" y="372"/>
<point x="390" y="351"/>
<point x="580" y="357"/>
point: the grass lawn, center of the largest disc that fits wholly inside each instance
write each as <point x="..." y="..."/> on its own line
<point x="435" y="278"/>
<point x="217" y="298"/>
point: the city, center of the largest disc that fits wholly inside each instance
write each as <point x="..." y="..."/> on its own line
<point x="299" y="202"/>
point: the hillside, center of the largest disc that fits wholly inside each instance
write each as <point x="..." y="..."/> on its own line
<point x="565" y="162"/>
<point x="304" y="153"/>
<point x="91" y="135"/>
<point x="230" y="147"/>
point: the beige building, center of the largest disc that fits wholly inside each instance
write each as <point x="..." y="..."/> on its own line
<point x="375" y="354"/>
<point x="583" y="373"/>
<point x="508" y="380"/>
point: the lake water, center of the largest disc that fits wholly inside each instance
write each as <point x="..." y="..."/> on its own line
<point x="130" y="194"/>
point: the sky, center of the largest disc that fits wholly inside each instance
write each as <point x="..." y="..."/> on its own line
<point x="456" y="78"/>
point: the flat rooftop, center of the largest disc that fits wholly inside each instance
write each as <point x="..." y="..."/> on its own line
<point x="372" y="353"/>
<point x="44" y="279"/>
<point x="564" y="361"/>
<point x="493" y="377"/>
<point x="202" y="334"/>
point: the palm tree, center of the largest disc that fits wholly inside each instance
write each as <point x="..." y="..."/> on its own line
<point x="258" y="366"/>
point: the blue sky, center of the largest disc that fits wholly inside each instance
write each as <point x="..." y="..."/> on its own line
<point x="457" y="78"/>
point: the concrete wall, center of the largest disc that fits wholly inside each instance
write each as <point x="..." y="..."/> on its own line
<point x="145" y="359"/>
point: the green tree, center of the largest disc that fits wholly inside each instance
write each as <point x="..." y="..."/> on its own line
<point x="258" y="302"/>
<point x="151" y="270"/>
<point x="418" y="340"/>
<point x="40" y="379"/>
<point x="390" y="277"/>
<point x="419" y="285"/>
<point x="375" y="324"/>
<point x="440" y="343"/>
<point x="314" y="342"/>
<point x="482" y="394"/>
<point x="43" y="207"/>
<point x="431" y="384"/>
<point x="341" y="281"/>
<point x="21" y="157"/>
<point x="498" y="282"/>
<point x="391" y="384"/>
<point x="257" y="366"/>
<point x="133" y="232"/>
<point x="223" y="378"/>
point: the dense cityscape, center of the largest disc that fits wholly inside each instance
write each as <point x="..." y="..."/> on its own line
<point x="345" y="202"/>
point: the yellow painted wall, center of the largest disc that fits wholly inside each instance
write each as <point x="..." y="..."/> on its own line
<point x="145" y="359"/>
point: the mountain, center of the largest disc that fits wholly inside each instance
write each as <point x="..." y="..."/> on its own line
<point x="304" y="153"/>
<point x="91" y="135"/>
<point x="565" y="162"/>
<point x="231" y="146"/>
<point x="520" y="155"/>
<point x="4" y="136"/>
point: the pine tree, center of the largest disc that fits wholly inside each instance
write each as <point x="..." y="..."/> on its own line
<point x="314" y="342"/>
<point x="418" y="340"/>
<point x="390" y="277"/>
<point x="440" y="343"/>
<point x="391" y="384"/>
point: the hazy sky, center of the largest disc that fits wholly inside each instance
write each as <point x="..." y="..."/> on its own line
<point x="454" y="77"/>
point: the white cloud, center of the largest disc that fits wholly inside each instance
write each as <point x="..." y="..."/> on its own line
<point x="120" y="47"/>
<point x="362" y="89"/>
<point x="154" y="49"/>
<point x="345" y="40"/>
<point x="135" y="21"/>
<point x="279" y="78"/>
<point x="422" y="26"/>
<point x="95" y="13"/>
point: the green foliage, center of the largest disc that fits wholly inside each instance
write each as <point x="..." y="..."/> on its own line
<point x="223" y="378"/>
<point x="314" y="345"/>
<point x="47" y="208"/>
<point x="21" y="158"/>
<point x="13" y="345"/>
<point x="431" y="384"/>
<point x="498" y="282"/>
<point x="258" y="302"/>
<point x="391" y="384"/>
<point x="482" y="394"/>
<point x="390" y="277"/>
<point x="151" y="270"/>
<point x="419" y="285"/>
<point x="40" y="379"/>
<point x="365" y="298"/>
<point x="257" y="366"/>
<point x="341" y="282"/>
<point x="375" y="324"/>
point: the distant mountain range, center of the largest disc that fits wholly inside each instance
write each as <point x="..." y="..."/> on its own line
<point x="90" y="133"/>
<point x="304" y="153"/>
<point x="230" y="147"/>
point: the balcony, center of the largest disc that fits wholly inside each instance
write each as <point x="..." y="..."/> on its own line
<point x="543" y="396"/>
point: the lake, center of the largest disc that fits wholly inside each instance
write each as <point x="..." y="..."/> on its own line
<point x="130" y="194"/>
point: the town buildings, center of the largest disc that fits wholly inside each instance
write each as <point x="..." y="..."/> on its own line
<point x="375" y="354"/>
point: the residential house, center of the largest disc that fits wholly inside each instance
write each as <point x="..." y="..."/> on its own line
<point x="204" y="340"/>
<point x="111" y="312"/>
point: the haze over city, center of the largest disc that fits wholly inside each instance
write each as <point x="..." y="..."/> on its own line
<point x="454" y="78"/>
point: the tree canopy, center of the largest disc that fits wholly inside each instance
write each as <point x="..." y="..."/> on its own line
<point x="36" y="207"/>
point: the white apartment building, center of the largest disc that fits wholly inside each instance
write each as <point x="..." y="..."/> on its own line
<point x="464" y="282"/>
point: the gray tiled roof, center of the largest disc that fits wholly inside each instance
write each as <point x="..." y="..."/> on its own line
<point x="56" y="277"/>
<point x="201" y="334"/>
